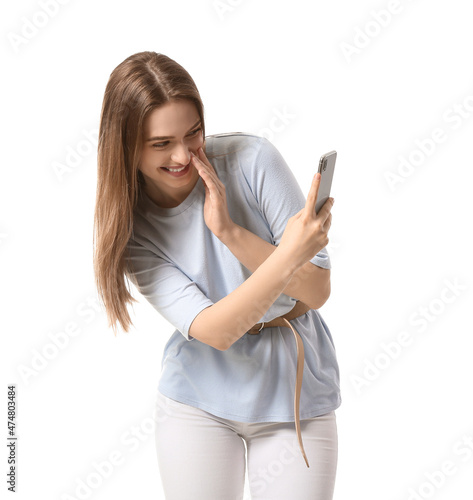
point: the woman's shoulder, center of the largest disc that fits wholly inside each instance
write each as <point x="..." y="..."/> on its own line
<point x="237" y="135"/>
<point x="232" y="142"/>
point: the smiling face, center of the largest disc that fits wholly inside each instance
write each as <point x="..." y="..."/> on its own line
<point x="170" y="133"/>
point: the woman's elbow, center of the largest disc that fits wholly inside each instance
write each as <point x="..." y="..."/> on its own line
<point x="201" y="330"/>
<point x="322" y="296"/>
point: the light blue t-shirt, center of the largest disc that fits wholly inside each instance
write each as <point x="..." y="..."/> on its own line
<point x="181" y="268"/>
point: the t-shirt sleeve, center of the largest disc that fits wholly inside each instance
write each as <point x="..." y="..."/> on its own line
<point x="278" y="194"/>
<point x="173" y="294"/>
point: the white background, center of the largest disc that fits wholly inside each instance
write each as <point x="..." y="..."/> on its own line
<point x="394" y="248"/>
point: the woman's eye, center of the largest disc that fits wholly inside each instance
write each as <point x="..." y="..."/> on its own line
<point x="159" y="145"/>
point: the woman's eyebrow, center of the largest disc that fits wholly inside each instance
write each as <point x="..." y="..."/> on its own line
<point x="170" y="136"/>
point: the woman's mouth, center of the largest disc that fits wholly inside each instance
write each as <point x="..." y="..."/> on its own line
<point x="177" y="171"/>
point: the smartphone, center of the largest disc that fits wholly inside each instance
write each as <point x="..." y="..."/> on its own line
<point x="326" y="168"/>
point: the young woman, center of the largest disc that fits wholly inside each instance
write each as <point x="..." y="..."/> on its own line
<point x="231" y="254"/>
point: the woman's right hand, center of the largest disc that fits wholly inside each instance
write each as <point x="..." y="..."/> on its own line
<point x="306" y="232"/>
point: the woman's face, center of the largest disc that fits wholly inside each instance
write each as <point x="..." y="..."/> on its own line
<point x="170" y="133"/>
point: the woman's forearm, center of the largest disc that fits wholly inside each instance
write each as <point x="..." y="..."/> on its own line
<point x="309" y="284"/>
<point x="223" y="323"/>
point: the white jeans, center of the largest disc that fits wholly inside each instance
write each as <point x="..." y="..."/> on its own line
<point x="203" y="457"/>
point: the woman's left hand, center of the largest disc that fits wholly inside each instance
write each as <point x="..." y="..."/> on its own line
<point x="216" y="214"/>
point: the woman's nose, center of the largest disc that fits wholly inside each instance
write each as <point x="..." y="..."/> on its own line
<point x="181" y="155"/>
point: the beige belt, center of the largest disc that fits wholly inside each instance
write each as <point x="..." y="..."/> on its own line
<point x="298" y="310"/>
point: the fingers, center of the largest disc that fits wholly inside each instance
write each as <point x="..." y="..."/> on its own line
<point x="205" y="163"/>
<point x="312" y="196"/>
<point x="211" y="182"/>
<point x="324" y="212"/>
<point x="328" y="222"/>
<point x="204" y="166"/>
<point x="204" y="159"/>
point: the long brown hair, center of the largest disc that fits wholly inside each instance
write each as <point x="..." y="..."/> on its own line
<point x="140" y="84"/>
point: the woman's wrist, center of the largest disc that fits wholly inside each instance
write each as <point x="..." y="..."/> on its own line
<point x="288" y="260"/>
<point x="234" y="237"/>
<point x="230" y="234"/>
